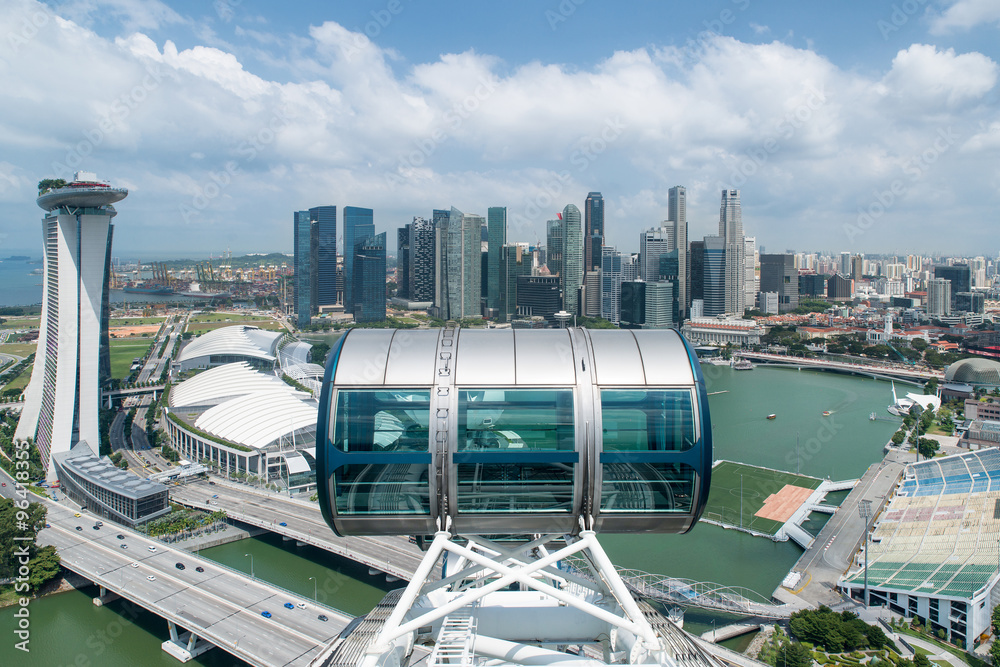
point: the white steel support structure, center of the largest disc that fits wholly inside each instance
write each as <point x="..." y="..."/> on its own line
<point x="63" y="398"/>
<point x="518" y="602"/>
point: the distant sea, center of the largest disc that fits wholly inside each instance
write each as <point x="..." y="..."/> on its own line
<point x="18" y="286"/>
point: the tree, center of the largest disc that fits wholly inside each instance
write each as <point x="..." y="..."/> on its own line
<point x="43" y="567"/>
<point x="898" y="437"/>
<point x="995" y="649"/>
<point x="794" y="654"/>
<point x="921" y="660"/>
<point x="47" y="184"/>
<point x="927" y="447"/>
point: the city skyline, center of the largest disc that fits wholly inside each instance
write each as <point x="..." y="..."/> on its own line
<point x="861" y="128"/>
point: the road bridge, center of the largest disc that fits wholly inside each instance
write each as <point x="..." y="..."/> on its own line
<point x="882" y="371"/>
<point x="219" y="606"/>
<point x="304" y="523"/>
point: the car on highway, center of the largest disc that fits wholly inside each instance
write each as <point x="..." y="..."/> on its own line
<point x="120" y="536"/>
<point x="77" y="514"/>
<point x="79" y="527"/>
<point x="151" y="578"/>
<point x="99" y="524"/>
<point x="301" y="605"/>
<point x="323" y="617"/>
<point x="289" y="605"/>
<point x="283" y="524"/>
<point x="124" y="546"/>
<point x="151" y="548"/>
<point x="179" y="566"/>
<point x="216" y="495"/>
<point x="199" y="569"/>
<point x="133" y="565"/>
<point x="265" y="614"/>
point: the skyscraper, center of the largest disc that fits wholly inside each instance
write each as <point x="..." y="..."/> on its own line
<point x="403" y="262"/>
<point x="63" y="398"/>
<point x="369" y="279"/>
<point x="421" y="264"/>
<point x="593" y="217"/>
<point x="515" y="262"/>
<point x="496" y="222"/>
<point x="731" y="232"/>
<point x="714" y="280"/>
<point x="939" y="292"/>
<point x="751" y="281"/>
<point x="304" y="263"/>
<point x="324" y="219"/>
<point x="359" y="223"/>
<point x="458" y="263"/>
<point x="572" y="273"/>
<point x="677" y="219"/>
<point x="611" y="287"/>
<point x="653" y="243"/>
<point x="778" y="274"/>
<point x="960" y="276"/>
<point x="554" y="246"/>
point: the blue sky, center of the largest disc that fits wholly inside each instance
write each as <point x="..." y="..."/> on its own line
<point x="862" y="126"/>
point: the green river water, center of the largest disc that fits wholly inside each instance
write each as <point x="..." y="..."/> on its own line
<point x="67" y="629"/>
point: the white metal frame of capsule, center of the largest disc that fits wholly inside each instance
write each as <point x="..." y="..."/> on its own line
<point x="512" y="432"/>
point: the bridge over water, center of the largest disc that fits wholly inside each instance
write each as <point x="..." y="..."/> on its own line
<point x="909" y="374"/>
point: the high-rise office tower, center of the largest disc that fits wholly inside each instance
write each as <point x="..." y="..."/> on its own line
<point x="572" y="273"/>
<point x="593" y="218"/>
<point x="369" y="279"/>
<point x="653" y="243"/>
<point x="844" y="267"/>
<point x="779" y="275"/>
<point x="515" y="261"/>
<point x="324" y="219"/>
<point x="304" y="264"/>
<point x="715" y="275"/>
<point x="62" y="400"/>
<point x="458" y="262"/>
<point x="960" y="276"/>
<point x="421" y="264"/>
<point x="939" y="291"/>
<point x="359" y="223"/>
<point x="731" y="232"/>
<point x="697" y="256"/>
<point x="611" y="284"/>
<point x="403" y="262"/>
<point x="496" y="223"/>
<point x="677" y="219"/>
<point x="857" y="269"/>
<point x="670" y="273"/>
<point x="751" y="281"/>
<point x="554" y="238"/>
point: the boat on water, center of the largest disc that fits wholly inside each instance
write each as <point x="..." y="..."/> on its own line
<point x="160" y="290"/>
<point x="741" y="364"/>
<point x="826" y="413"/>
<point x="715" y="361"/>
<point x="772" y="416"/>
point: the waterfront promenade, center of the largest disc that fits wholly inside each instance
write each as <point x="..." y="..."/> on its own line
<point x="830" y="554"/>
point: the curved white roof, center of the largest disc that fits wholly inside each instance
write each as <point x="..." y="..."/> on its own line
<point x="295" y="353"/>
<point x="227" y="381"/>
<point x="257" y="420"/>
<point x="238" y="339"/>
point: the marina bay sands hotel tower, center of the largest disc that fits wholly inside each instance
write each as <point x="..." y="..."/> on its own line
<point x="62" y="400"/>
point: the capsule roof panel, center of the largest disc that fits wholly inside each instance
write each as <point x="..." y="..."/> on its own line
<point x="651" y="357"/>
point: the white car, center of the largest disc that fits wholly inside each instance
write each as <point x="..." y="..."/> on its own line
<point x="301" y="605"/>
<point x="151" y="578"/>
<point x="133" y="565"/>
<point x="151" y="548"/>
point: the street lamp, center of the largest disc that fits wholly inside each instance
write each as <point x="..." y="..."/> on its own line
<point x="251" y="565"/>
<point x="314" y="589"/>
<point x="865" y="510"/>
<point x="741" y="501"/>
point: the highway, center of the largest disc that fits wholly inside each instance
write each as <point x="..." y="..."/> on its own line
<point x="882" y="370"/>
<point x="392" y="555"/>
<point x="221" y="605"/>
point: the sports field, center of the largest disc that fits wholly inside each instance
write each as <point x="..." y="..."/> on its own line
<point x="781" y="492"/>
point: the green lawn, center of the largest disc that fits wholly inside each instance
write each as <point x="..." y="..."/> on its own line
<point x="21" y="381"/>
<point x="737" y="488"/>
<point x="19" y="349"/>
<point x="123" y="351"/>
<point x="263" y="323"/>
<point x="233" y="318"/>
<point x="20" y="322"/>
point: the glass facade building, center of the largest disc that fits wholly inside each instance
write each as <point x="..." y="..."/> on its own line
<point x="496" y="222"/>
<point x="358" y="224"/>
<point x="369" y="279"/>
<point x="324" y="219"/>
<point x="304" y="261"/>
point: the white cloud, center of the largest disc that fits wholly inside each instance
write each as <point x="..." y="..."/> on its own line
<point x="206" y="141"/>
<point x="966" y="14"/>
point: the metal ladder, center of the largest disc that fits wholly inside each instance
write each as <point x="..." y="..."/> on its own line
<point x="455" y="640"/>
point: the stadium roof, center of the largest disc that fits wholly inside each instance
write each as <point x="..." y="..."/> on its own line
<point x="237" y="340"/>
<point x="225" y="382"/>
<point x="938" y="535"/>
<point x="258" y="420"/>
<point x="978" y="372"/>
